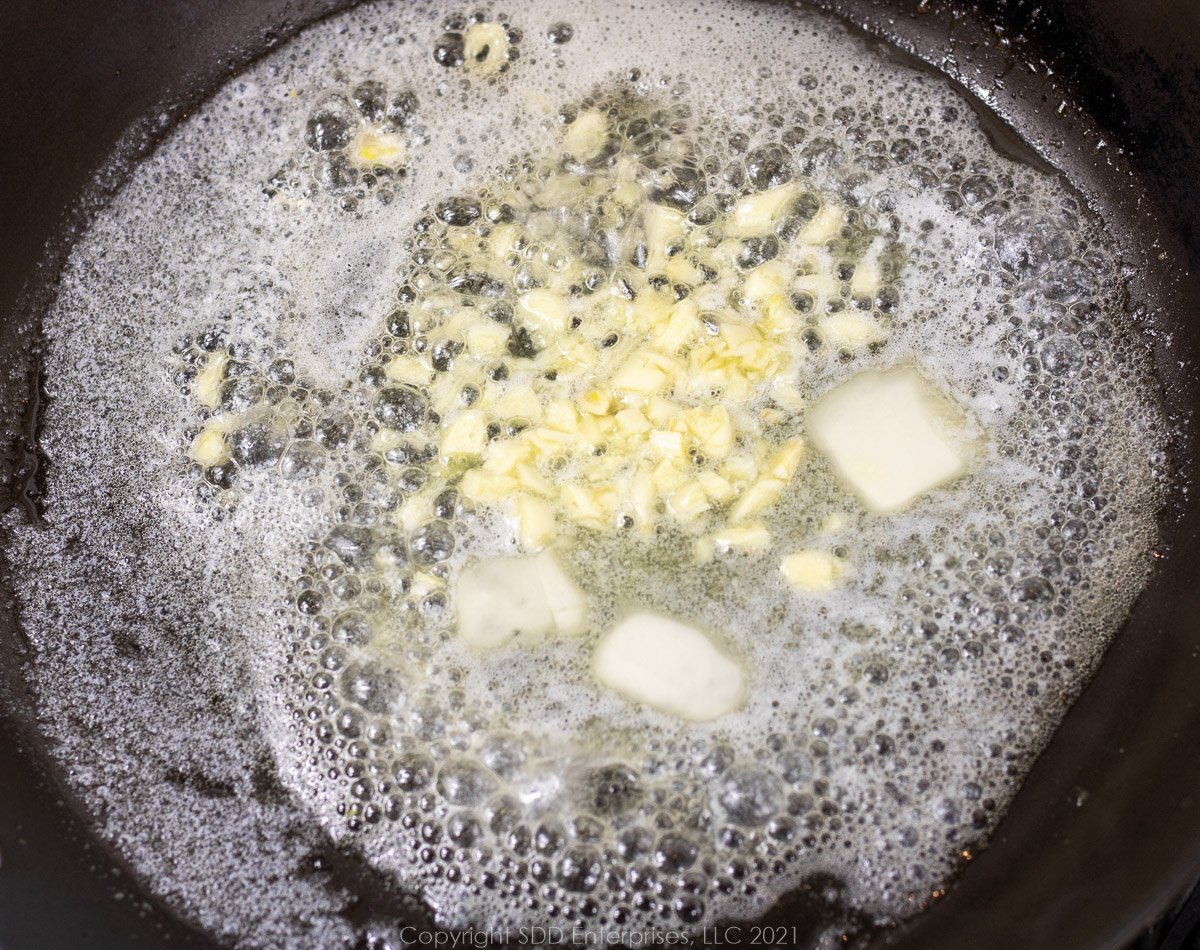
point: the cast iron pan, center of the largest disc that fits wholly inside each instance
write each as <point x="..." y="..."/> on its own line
<point x="1104" y="835"/>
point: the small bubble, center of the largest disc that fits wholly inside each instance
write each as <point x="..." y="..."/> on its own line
<point x="370" y="97"/>
<point x="413" y="771"/>
<point x="450" y="50"/>
<point x="612" y="789"/>
<point x="1035" y="590"/>
<point x="559" y="33"/>
<point x="580" y="870"/>
<point x="400" y="407"/>
<point x="750" y="795"/>
<point x="674" y="853"/>
<point x="330" y="124"/>
<point x="432" y="542"/>
<point x="464" y="782"/>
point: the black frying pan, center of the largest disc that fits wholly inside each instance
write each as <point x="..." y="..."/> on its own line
<point x="1104" y="835"/>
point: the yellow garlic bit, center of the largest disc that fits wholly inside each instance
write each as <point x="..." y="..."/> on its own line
<point x="210" y="447"/>
<point x="371" y="147"/>
<point x="485" y="47"/>
<point x="812" y="570"/>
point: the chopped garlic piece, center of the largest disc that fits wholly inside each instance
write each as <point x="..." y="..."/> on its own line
<point x="758" y="214"/>
<point x="663" y="227"/>
<point x="765" y="282"/>
<point x="669" y="444"/>
<point x="633" y="422"/>
<point x="715" y="487"/>
<point x="867" y="276"/>
<point x="786" y="459"/>
<point x="543" y="311"/>
<point x="762" y="494"/>
<point x="486" y="339"/>
<point x="370" y="148"/>
<point x="643" y="490"/>
<point x="849" y="330"/>
<point x="485" y="46"/>
<point x="408" y="369"/>
<point x="750" y="538"/>
<point x="713" y="429"/>
<point x="210" y="447"/>
<point x="505" y="456"/>
<point x="587" y="136"/>
<point x="597" y="401"/>
<point x="466" y="435"/>
<point x="822" y="286"/>
<point x="835" y="522"/>
<point x="207" y="385"/>
<point x="518" y="403"/>
<point x="480" y="485"/>
<point x="787" y="395"/>
<point x="642" y="373"/>
<point x="536" y="521"/>
<point x="688" y="502"/>
<point x="811" y="570"/>
<point x="825" y="226"/>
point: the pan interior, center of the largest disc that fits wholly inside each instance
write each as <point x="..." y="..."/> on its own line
<point x="213" y="642"/>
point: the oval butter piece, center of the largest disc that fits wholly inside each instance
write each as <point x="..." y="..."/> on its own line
<point x="671" y="666"/>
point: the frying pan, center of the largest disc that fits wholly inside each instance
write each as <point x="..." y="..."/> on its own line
<point x="1104" y="835"/>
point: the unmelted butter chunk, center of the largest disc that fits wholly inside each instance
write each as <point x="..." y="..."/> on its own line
<point x="890" y="436"/>
<point x="670" y="666"/>
<point x="521" y="599"/>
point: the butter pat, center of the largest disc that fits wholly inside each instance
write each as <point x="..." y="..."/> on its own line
<point x="670" y="666"/>
<point x="890" y="436"/>
<point x="518" y="599"/>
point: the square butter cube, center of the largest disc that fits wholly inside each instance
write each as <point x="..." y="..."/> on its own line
<point x="890" y="436"/>
<point x="521" y="599"/>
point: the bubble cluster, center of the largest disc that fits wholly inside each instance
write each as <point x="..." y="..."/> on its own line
<point x="271" y="517"/>
<point x="356" y="144"/>
<point x="480" y="44"/>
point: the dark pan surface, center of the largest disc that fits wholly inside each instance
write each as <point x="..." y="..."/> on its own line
<point x="1105" y="833"/>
